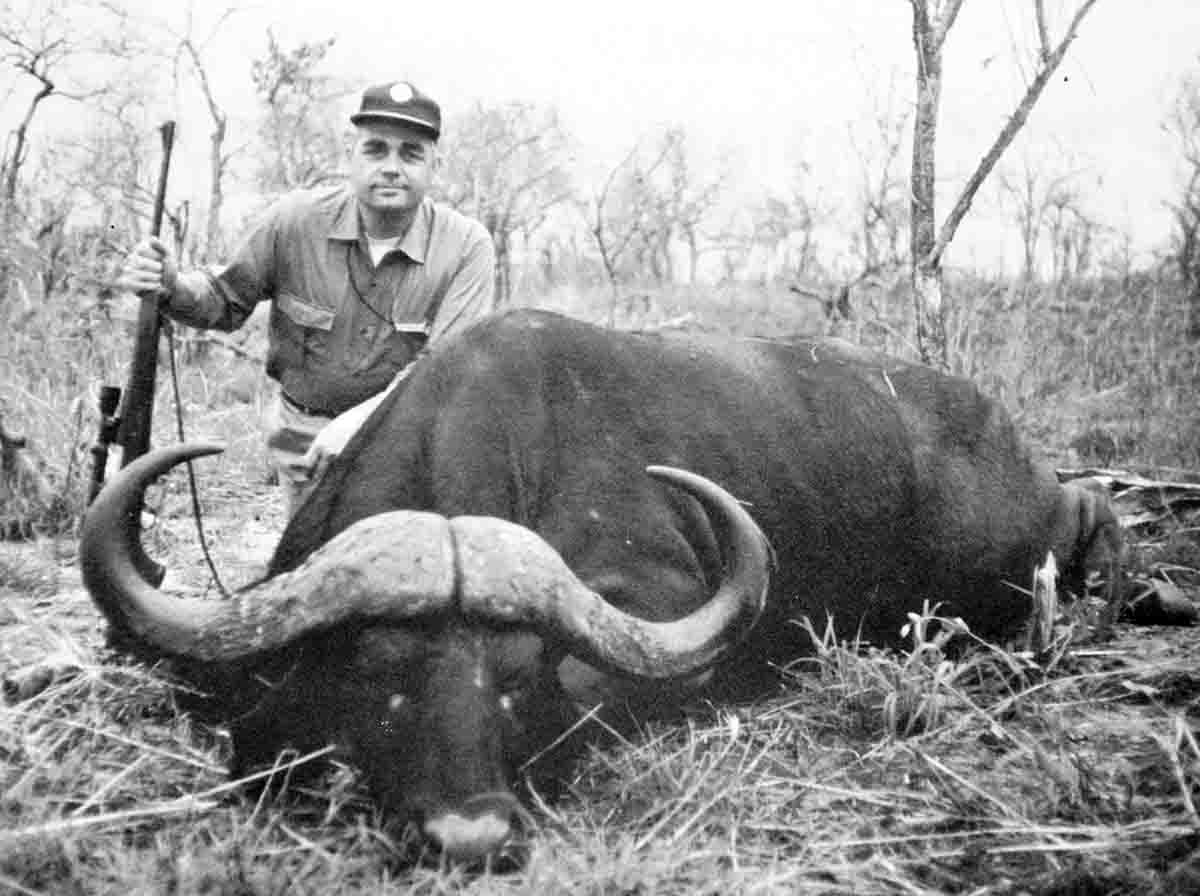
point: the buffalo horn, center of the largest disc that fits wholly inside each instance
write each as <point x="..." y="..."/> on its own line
<point x="391" y="566"/>
<point x="511" y="575"/>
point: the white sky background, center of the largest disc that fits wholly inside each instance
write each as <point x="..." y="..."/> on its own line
<point x="767" y="84"/>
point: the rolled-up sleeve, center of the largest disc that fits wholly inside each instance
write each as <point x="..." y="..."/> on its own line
<point x="471" y="292"/>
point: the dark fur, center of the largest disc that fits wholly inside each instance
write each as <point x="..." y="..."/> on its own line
<point x="881" y="484"/>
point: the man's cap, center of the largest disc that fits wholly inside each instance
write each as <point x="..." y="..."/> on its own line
<point x="399" y="101"/>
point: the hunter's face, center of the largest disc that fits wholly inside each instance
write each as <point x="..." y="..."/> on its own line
<point x="391" y="168"/>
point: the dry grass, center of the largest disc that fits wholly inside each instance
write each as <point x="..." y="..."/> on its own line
<point x="929" y="771"/>
<point x="55" y="356"/>
<point x="925" y="771"/>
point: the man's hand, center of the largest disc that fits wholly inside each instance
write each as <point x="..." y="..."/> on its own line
<point x="330" y="441"/>
<point x="150" y="269"/>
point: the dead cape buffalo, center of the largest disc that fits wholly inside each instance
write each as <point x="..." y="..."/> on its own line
<point x="489" y="557"/>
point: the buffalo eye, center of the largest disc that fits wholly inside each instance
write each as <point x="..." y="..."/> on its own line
<point x="398" y="702"/>
<point x="507" y="703"/>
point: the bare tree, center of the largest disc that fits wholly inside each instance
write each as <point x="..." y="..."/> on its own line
<point x="613" y="229"/>
<point x="932" y="21"/>
<point x="1184" y="124"/>
<point x="1072" y="233"/>
<point x="507" y="166"/>
<point x="687" y="199"/>
<point x="621" y="214"/>
<point x="193" y="51"/>
<point x="649" y="207"/>
<point x="779" y="224"/>
<point x="302" y="140"/>
<point x="191" y="47"/>
<point x="89" y="191"/>
<point x="42" y="43"/>
<point x="882" y="200"/>
<point x="785" y="227"/>
<point x="1031" y="194"/>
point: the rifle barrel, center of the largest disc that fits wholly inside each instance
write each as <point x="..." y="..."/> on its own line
<point x="138" y="411"/>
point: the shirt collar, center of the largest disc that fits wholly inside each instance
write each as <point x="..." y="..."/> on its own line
<point x="415" y="243"/>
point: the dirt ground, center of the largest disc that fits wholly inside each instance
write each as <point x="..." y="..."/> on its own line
<point x="42" y="598"/>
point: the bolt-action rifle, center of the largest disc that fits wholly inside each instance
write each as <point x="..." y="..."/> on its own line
<point x="129" y="427"/>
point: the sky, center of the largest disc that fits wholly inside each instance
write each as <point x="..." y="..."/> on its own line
<point x="766" y="85"/>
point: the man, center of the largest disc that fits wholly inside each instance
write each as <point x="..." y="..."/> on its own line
<point x="361" y="278"/>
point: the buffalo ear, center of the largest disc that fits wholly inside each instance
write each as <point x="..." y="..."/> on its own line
<point x="266" y="738"/>
<point x="555" y="738"/>
<point x="256" y="741"/>
<point x="290" y="703"/>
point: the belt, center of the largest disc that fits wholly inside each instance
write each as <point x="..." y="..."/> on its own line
<point x="305" y="409"/>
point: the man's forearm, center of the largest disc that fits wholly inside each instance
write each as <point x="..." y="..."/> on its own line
<point x="196" y="302"/>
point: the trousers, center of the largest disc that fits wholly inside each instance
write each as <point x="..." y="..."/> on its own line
<point x="290" y="432"/>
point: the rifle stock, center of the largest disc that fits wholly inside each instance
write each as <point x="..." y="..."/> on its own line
<point x="130" y="429"/>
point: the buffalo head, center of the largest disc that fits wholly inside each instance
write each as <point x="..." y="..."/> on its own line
<point x="427" y="648"/>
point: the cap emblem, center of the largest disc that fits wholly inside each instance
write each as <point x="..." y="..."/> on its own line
<point x="401" y="92"/>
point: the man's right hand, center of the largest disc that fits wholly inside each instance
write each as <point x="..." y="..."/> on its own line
<point x="150" y="269"/>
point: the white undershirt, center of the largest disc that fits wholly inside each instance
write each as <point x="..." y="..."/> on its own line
<point x="380" y="248"/>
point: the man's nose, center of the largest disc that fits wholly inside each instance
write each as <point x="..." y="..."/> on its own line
<point x="392" y="164"/>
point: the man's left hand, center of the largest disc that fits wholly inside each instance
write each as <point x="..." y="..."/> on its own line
<point x="331" y="440"/>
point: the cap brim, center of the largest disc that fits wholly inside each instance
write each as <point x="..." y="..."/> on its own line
<point x="363" y="117"/>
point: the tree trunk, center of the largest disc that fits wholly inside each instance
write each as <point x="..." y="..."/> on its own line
<point x="8" y="199"/>
<point x="213" y="249"/>
<point x="926" y="264"/>
<point x="503" y="268"/>
<point x="693" y="253"/>
<point x="929" y="245"/>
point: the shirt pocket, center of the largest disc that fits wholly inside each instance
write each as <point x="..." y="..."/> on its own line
<point x="301" y="334"/>
<point x="303" y="313"/>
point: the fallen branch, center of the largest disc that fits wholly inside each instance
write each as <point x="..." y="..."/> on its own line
<point x="1142" y="503"/>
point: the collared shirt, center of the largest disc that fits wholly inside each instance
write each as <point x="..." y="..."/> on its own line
<point x="341" y="327"/>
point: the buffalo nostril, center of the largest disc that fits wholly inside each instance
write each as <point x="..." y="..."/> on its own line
<point x="467" y="838"/>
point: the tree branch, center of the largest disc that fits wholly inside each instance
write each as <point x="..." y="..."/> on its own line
<point x="920" y="15"/>
<point x="1010" y="130"/>
<point x="1039" y="10"/>
<point x="946" y="21"/>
